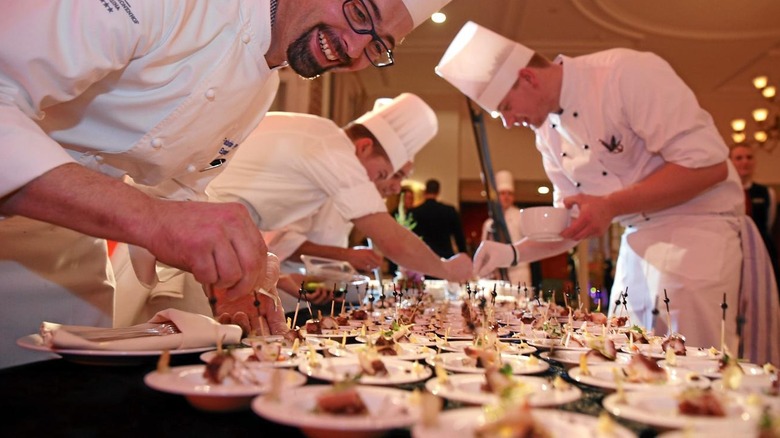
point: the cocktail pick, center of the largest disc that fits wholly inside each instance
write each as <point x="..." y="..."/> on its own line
<point x="339" y="294"/>
<point x="257" y="308"/>
<point x="297" y="307"/>
<point x="668" y="312"/>
<point x="723" y="306"/>
<point x="333" y="301"/>
<point x="494" y="294"/>
<point x="598" y="300"/>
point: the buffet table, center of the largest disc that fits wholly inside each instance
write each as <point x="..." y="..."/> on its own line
<point x="62" y="398"/>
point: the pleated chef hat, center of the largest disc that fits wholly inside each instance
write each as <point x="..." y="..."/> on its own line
<point x="505" y="181"/>
<point x="402" y="127"/>
<point x="421" y="10"/>
<point x="482" y="64"/>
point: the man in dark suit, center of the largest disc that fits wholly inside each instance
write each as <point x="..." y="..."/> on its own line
<point x="438" y="223"/>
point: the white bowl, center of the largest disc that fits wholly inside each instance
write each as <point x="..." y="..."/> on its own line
<point x="544" y="223"/>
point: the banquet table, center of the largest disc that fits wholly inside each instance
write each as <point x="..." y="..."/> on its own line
<point x="59" y="397"/>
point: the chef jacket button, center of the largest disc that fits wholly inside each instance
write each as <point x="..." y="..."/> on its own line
<point x="210" y="94"/>
<point x="577" y="184"/>
<point x="157" y="143"/>
<point x="575" y="114"/>
<point x="246" y="38"/>
<point x="553" y="125"/>
<point x="604" y="173"/>
<point x="563" y="154"/>
<point x="586" y="147"/>
<point x="191" y="168"/>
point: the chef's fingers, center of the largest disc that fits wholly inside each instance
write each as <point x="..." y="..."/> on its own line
<point x="252" y="260"/>
<point x="242" y="320"/>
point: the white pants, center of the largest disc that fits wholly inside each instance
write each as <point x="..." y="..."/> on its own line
<point x="49" y="273"/>
<point x="696" y="260"/>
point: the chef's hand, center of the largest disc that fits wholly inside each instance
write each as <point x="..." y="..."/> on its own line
<point x="218" y="242"/>
<point x="490" y="256"/>
<point x="267" y="318"/>
<point x="595" y="216"/>
<point x="458" y="268"/>
<point x="363" y="259"/>
<point x="291" y="285"/>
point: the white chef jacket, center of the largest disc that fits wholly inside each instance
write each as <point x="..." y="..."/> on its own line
<point x="290" y="166"/>
<point x="520" y="274"/>
<point x="123" y="88"/>
<point x="625" y="114"/>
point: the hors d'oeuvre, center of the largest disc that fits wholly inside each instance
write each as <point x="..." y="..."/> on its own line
<point x="642" y="369"/>
<point x="700" y="402"/>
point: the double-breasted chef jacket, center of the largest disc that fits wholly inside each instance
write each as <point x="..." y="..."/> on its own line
<point x="159" y="92"/>
<point x="520" y="274"/>
<point x="625" y="114"/>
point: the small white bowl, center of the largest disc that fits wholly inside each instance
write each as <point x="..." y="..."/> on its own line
<point x="544" y="224"/>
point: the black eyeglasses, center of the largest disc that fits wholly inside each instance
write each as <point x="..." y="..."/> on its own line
<point x="358" y="18"/>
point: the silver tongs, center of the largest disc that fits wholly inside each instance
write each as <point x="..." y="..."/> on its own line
<point x="116" y="334"/>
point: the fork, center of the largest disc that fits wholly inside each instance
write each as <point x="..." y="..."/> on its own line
<point x="114" y="334"/>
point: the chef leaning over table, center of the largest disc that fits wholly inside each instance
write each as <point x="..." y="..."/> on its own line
<point x="161" y="92"/>
<point x="622" y="139"/>
<point x="293" y="164"/>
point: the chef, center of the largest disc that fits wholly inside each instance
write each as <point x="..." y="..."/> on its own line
<point x="505" y="186"/>
<point x="292" y="164"/>
<point x="160" y="93"/>
<point x="622" y="139"/>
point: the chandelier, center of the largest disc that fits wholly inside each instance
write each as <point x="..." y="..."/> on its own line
<point x="766" y="134"/>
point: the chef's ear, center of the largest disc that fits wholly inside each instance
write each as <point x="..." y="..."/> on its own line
<point x="364" y="147"/>
<point x="528" y="75"/>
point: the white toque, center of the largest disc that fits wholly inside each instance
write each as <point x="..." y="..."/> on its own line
<point x="421" y="10"/>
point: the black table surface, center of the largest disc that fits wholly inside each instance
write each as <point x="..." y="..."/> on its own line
<point x="59" y="397"/>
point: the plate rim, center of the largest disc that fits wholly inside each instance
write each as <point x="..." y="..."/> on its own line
<point x="35" y="342"/>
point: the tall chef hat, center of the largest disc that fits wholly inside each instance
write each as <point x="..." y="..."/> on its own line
<point x="402" y="127"/>
<point x="421" y="10"/>
<point x="482" y="64"/>
<point x="505" y="181"/>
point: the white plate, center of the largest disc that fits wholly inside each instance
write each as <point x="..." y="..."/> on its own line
<point x="602" y="376"/>
<point x="467" y="388"/>
<point x="102" y="357"/>
<point x="414" y="339"/>
<point x="572" y="357"/>
<point x="335" y="369"/>
<point x="462" y="423"/>
<point x="389" y="408"/>
<point x="659" y="408"/>
<point x="711" y="367"/>
<point x="657" y="352"/>
<point x="407" y="351"/>
<point x="508" y="347"/>
<point x="520" y="364"/>
<point x="349" y="332"/>
<point x="316" y="343"/>
<point x="750" y="384"/>
<point x="464" y="333"/>
<point x="229" y="395"/>
<point x="547" y="343"/>
<point x="286" y="358"/>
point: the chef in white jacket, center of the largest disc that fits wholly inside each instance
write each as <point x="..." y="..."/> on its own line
<point x="505" y="186"/>
<point x="161" y="93"/>
<point x="624" y="139"/>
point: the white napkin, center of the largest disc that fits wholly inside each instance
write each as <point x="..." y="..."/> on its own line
<point x="196" y="331"/>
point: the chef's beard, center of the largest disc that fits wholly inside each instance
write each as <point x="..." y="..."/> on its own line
<point x="302" y="60"/>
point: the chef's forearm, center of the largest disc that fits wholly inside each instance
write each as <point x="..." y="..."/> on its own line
<point x="75" y="197"/>
<point x="670" y="185"/>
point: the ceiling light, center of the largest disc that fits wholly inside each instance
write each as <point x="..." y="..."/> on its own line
<point x="543" y="190"/>
<point x="738" y="125"/>
<point x="760" y="82"/>
<point x="438" y="17"/>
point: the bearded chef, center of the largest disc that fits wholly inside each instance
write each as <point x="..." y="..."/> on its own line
<point x="505" y="186"/>
<point x="622" y="139"/>
<point x="292" y="164"/>
<point x="161" y="93"/>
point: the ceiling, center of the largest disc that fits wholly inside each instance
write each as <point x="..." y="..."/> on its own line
<point x="716" y="46"/>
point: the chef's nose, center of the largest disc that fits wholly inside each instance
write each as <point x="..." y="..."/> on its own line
<point x="357" y="44"/>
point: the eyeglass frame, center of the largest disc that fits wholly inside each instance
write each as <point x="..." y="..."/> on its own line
<point x="372" y="31"/>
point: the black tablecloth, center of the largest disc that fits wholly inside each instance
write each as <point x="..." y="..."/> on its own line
<point x="61" y="398"/>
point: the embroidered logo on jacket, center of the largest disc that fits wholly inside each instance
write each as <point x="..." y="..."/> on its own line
<point x="614" y="146"/>
<point x="227" y="147"/>
<point x="116" y="5"/>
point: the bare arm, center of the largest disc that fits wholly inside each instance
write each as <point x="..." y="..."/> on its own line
<point x="670" y="185"/>
<point x="218" y="243"/>
<point x="406" y="249"/>
<point x="362" y="259"/>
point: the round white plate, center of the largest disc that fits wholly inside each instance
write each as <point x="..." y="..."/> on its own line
<point x="286" y="357"/>
<point x="466" y="334"/>
<point x="414" y="339"/>
<point x="335" y="369"/>
<point x="520" y="364"/>
<point x="389" y="408"/>
<point x="711" y="367"/>
<point x="508" y="347"/>
<point x="659" y="408"/>
<point x="750" y="384"/>
<point x="230" y="394"/>
<point x="547" y="343"/>
<point x="462" y="423"/>
<point x="572" y="357"/>
<point x="349" y="332"/>
<point x="467" y="388"/>
<point x="101" y="357"/>
<point x="316" y="343"/>
<point x="407" y="351"/>
<point x="656" y="351"/>
<point x="602" y="376"/>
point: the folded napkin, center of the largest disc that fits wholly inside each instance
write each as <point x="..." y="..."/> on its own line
<point x="196" y="331"/>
